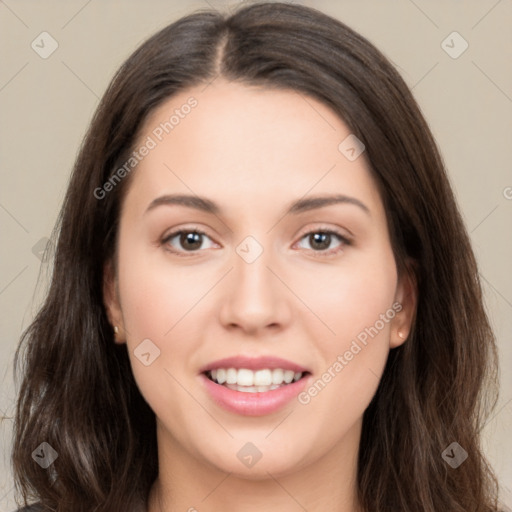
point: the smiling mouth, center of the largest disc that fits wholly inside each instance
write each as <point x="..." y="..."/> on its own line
<point x="258" y="381"/>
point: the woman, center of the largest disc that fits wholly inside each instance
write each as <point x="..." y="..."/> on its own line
<point x="263" y="296"/>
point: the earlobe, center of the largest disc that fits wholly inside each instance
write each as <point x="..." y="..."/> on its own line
<point x="111" y="302"/>
<point x="407" y="296"/>
<point x="117" y="338"/>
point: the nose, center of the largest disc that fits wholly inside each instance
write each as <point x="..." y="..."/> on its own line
<point x="256" y="301"/>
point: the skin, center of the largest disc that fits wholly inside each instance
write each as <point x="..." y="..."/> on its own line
<point x="253" y="151"/>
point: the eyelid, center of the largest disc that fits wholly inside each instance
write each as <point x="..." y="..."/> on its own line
<point x="345" y="234"/>
<point x="345" y="239"/>
<point x="183" y="229"/>
<point x="187" y="229"/>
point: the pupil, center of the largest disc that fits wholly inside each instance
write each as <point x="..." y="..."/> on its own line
<point x="191" y="240"/>
<point x="322" y="240"/>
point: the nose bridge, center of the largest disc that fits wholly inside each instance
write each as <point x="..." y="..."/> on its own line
<point x="255" y="298"/>
<point x="251" y="273"/>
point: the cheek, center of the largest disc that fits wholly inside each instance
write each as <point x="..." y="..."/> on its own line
<point x="170" y="306"/>
<point x="352" y="296"/>
<point x="156" y="295"/>
<point x="356" y="304"/>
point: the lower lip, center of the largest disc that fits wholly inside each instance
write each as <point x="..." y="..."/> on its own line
<point x="253" y="404"/>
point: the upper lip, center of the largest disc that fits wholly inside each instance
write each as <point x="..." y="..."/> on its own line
<point x="254" y="363"/>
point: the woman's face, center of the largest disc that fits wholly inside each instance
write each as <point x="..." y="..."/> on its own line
<point x="291" y="277"/>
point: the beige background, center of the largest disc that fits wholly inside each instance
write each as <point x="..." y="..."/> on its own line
<point x="46" y="105"/>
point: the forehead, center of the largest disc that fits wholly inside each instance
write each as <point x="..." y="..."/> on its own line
<point x="237" y="141"/>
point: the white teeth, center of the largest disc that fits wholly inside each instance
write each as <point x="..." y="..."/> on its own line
<point x="245" y="377"/>
<point x="288" y="376"/>
<point x="277" y="376"/>
<point x="231" y="376"/>
<point x="251" y="389"/>
<point x="221" y="376"/>
<point x="251" y="381"/>
<point x="247" y="389"/>
<point x="262" y="378"/>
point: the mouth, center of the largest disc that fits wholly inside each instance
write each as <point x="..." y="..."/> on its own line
<point x="245" y="380"/>
<point x="253" y="386"/>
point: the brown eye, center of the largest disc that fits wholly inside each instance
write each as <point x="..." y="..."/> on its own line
<point x="322" y="241"/>
<point x="190" y="241"/>
<point x="186" y="241"/>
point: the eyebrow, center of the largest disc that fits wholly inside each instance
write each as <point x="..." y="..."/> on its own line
<point x="296" y="207"/>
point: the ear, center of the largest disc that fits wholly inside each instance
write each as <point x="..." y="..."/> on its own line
<point x="111" y="302"/>
<point x="407" y="296"/>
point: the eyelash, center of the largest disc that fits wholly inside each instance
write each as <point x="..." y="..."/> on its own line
<point x="321" y="253"/>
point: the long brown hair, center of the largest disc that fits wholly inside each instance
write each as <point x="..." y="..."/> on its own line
<point x="77" y="390"/>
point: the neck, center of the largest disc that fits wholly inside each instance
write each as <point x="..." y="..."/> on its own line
<point x="188" y="484"/>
